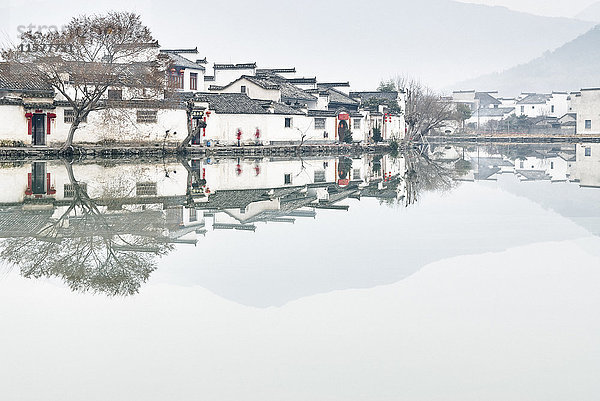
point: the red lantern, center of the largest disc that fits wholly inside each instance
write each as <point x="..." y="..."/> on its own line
<point x="257" y="169"/>
<point x="257" y="134"/>
<point x="239" y="134"/>
<point x="238" y="169"/>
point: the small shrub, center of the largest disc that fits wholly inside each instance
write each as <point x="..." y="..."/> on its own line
<point x="8" y="143"/>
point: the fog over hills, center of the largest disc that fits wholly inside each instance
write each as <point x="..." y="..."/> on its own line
<point x="439" y="41"/>
<point x="591" y="13"/>
<point x="571" y="67"/>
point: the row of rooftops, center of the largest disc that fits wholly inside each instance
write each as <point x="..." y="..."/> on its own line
<point x="266" y="78"/>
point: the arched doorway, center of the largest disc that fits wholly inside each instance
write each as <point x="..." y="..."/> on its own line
<point x="342" y="129"/>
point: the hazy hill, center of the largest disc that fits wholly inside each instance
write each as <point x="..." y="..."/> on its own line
<point x="590" y="13"/>
<point x="573" y="66"/>
<point x="440" y="41"/>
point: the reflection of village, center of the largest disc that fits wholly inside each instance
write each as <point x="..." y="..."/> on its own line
<point x="555" y="163"/>
<point x="108" y="223"/>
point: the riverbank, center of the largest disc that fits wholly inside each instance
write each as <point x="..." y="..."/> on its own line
<point x="133" y="151"/>
<point x="513" y="138"/>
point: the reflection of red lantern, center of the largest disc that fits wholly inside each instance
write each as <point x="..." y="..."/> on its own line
<point x="239" y="134"/>
<point x="257" y="169"/>
<point x="238" y="169"/>
<point x="257" y="134"/>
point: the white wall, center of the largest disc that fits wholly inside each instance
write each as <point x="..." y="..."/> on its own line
<point x="253" y="91"/>
<point x="587" y="107"/>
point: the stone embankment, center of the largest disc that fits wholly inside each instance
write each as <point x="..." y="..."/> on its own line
<point x="514" y="138"/>
<point x="84" y="151"/>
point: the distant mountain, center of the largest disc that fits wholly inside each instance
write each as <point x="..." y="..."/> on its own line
<point x="571" y="67"/>
<point x="439" y="41"/>
<point x="591" y="13"/>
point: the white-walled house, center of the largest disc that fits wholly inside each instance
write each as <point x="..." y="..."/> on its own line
<point x="223" y="74"/>
<point x="186" y="75"/>
<point x="555" y="104"/>
<point x="587" y="107"/>
<point x="268" y="87"/>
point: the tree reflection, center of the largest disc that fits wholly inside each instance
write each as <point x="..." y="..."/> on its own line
<point x="89" y="249"/>
<point x="424" y="174"/>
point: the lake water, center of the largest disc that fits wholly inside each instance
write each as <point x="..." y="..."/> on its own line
<point x="450" y="273"/>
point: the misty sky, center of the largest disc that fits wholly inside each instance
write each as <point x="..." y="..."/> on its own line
<point x="424" y="39"/>
<point x="551" y="8"/>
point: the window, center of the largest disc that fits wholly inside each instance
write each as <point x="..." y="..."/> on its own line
<point x="552" y="109"/>
<point x="319" y="123"/>
<point x="288" y="122"/>
<point x="69" y="116"/>
<point x="193" y="81"/>
<point x="69" y="189"/>
<point x="174" y="216"/>
<point x="243" y="89"/>
<point x="522" y="109"/>
<point x="193" y="215"/>
<point x="356" y="174"/>
<point x="287" y="179"/>
<point x="115" y="94"/>
<point x="588" y="152"/>
<point x="356" y="123"/>
<point x="551" y="165"/>
<point x="319" y="176"/>
<point x="146" y="116"/>
<point x="145" y="189"/>
<point x="588" y="124"/>
<point x="521" y="164"/>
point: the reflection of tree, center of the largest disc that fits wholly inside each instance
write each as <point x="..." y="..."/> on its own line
<point x="424" y="174"/>
<point x="91" y="250"/>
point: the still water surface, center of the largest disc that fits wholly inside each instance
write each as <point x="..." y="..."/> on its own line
<point x="456" y="274"/>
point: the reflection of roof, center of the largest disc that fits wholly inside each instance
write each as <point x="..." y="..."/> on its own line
<point x="15" y="222"/>
<point x="534" y="175"/>
<point x="486" y="173"/>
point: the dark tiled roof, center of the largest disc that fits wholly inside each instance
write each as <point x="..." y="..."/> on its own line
<point x="276" y="71"/>
<point x="334" y="84"/>
<point x="239" y="103"/>
<point x="321" y="113"/>
<point x="245" y="66"/>
<point x="188" y="51"/>
<point x="302" y="81"/>
<point x="338" y="97"/>
<point x="231" y="103"/>
<point x="264" y="83"/>
<point x="180" y="61"/>
<point x="14" y="79"/>
<point x="364" y="96"/>
<point x="209" y="78"/>
<point x="485" y="99"/>
<point x="495" y="112"/>
<point x="534" y="98"/>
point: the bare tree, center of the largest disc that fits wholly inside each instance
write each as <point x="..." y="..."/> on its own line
<point x="89" y="56"/>
<point x="426" y="110"/>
